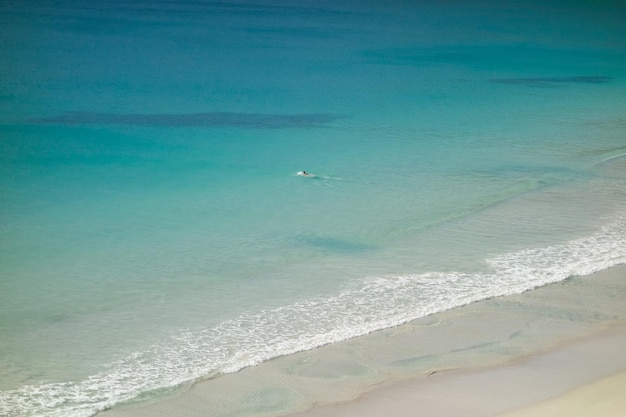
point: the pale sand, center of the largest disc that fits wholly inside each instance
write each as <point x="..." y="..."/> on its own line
<point x="497" y="390"/>
<point x="482" y="360"/>
<point x="604" y="398"/>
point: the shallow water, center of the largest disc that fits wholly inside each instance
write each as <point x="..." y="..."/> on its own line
<point x="153" y="228"/>
<point x="486" y="334"/>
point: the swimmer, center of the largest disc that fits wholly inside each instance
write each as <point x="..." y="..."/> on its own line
<point x="305" y="174"/>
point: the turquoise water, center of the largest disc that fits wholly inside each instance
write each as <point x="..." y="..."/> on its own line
<point x="153" y="230"/>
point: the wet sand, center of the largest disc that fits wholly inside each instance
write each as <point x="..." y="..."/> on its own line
<point x="545" y="349"/>
<point x="553" y="383"/>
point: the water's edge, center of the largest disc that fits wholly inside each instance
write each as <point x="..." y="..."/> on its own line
<point x="484" y="333"/>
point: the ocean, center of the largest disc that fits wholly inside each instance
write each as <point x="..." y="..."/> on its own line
<point x="153" y="228"/>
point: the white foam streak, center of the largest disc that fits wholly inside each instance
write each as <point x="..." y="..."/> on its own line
<point x="381" y="302"/>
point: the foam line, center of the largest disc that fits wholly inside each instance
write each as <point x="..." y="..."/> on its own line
<point x="256" y="337"/>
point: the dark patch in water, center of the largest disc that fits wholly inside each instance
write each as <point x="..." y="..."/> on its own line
<point x="209" y="120"/>
<point x="336" y="245"/>
<point x="550" y="81"/>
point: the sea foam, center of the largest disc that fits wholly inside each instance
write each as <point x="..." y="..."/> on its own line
<point x="255" y="337"/>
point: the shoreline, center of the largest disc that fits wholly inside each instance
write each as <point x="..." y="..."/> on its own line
<point x="520" y="350"/>
<point x="525" y="387"/>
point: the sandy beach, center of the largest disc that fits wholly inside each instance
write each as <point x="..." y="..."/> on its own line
<point x="575" y="379"/>
<point x="581" y="376"/>
<point x="556" y="350"/>
<point x="604" y="398"/>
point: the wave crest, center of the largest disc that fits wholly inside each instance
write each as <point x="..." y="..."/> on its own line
<point x="252" y="338"/>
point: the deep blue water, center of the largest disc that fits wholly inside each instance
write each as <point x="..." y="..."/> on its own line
<point x="153" y="230"/>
